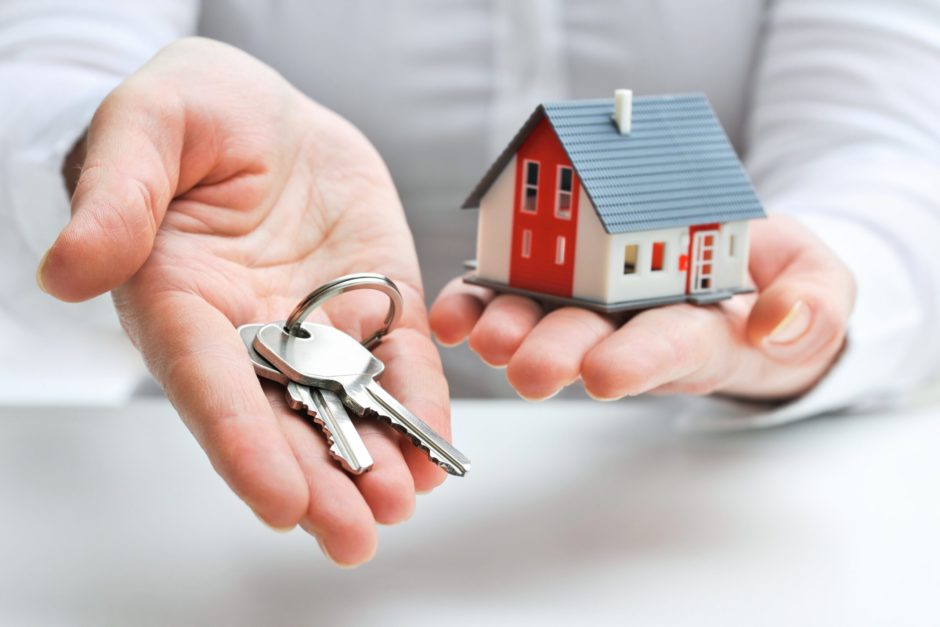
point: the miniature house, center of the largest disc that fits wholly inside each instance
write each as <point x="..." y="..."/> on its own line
<point x="616" y="204"/>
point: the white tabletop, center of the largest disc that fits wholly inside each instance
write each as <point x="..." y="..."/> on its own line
<point x="113" y="516"/>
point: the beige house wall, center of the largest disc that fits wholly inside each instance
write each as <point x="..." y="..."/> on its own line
<point x="494" y="227"/>
<point x="591" y="275"/>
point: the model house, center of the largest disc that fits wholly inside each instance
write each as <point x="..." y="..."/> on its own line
<point x="616" y="204"/>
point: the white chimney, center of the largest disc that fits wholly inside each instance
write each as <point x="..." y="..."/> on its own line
<point x="623" y="109"/>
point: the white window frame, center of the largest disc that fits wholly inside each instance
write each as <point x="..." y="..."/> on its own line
<point x="636" y="260"/>
<point x="526" y="185"/>
<point x="698" y="261"/>
<point x="560" y="250"/>
<point x="526" y="243"/>
<point x="566" y="215"/>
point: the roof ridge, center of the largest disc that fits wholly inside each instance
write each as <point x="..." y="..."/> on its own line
<point x="645" y="98"/>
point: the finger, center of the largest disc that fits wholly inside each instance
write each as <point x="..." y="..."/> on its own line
<point x="198" y="357"/>
<point x="508" y="319"/>
<point x="414" y="375"/>
<point x="127" y="180"/>
<point x="550" y="356"/>
<point x="388" y="488"/>
<point x="806" y="295"/>
<point x="660" y="346"/>
<point x="456" y="310"/>
<point x="337" y="514"/>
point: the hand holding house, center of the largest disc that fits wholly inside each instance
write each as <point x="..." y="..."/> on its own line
<point x="616" y="204"/>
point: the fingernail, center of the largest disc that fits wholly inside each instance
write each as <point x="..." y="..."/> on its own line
<point x="39" y="270"/>
<point x="438" y="339"/>
<point x="538" y="399"/>
<point x="490" y="364"/>
<point x="603" y="399"/>
<point x="793" y="326"/>
<point x="272" y="527"/>
<point x="331" y="558"/>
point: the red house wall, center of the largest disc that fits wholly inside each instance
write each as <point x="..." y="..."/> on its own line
<point x="539" y="270"/>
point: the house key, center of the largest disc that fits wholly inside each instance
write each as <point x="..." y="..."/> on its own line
<point x="324" y="407"/>
<point x="326" y="358"/>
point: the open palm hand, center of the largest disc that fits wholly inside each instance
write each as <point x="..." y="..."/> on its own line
<point x="775" y="344"/>
<point x="214" y="194"/>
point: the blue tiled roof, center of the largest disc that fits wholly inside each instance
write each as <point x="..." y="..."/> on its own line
<point x="675" y="168"/>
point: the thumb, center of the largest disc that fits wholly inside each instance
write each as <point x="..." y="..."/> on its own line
<point x="127" y="180"/>
<point x="806" y="294"/>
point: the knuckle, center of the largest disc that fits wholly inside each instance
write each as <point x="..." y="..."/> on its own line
<point x="114" y="103"/>
<point x="145" y="96"/>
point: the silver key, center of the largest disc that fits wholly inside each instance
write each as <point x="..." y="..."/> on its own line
<point x="327" y="410"/>
<point x="332" y="360"/>
<point x="324" y="407"/>
<point x="262" y="367"/>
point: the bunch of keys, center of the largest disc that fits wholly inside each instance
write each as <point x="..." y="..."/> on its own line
<point x="332" y="377"/>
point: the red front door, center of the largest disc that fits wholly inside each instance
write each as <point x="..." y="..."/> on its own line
<point x="545" y="215"/>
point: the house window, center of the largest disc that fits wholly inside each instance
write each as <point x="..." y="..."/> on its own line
<point x="629" y="258"/>
<point x="563" y="195"/>
<point x="560" y="250"/>
<point x="731" y="246"/>
<point x="526" y="243"/>
<point x="530" y="190"/>
<point x="657" y="263"/>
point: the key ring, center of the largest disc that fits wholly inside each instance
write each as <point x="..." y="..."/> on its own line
<point x="341" y="285"/>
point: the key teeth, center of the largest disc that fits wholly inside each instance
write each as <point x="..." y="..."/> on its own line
<point x="321" y="424"/>
<point x="416" y="442"/>
<point x="334" y="450"/>
<point x="330" y="440"/>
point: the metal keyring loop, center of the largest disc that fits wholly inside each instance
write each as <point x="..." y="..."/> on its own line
<point x="348" y="283"/>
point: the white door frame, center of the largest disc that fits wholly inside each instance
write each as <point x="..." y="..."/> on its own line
<point x="703" y="279"/>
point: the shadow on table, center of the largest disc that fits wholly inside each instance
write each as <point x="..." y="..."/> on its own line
<point x="650" y="496"/>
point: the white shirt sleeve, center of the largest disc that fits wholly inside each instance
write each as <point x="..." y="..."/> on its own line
<point x="845" y="135"/>
<point x="58" y="59"/>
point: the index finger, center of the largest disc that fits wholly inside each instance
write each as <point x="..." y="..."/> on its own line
<point x="456" y="311"/>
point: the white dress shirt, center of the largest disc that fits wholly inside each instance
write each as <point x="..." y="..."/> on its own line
<point x="833" y="103"/>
